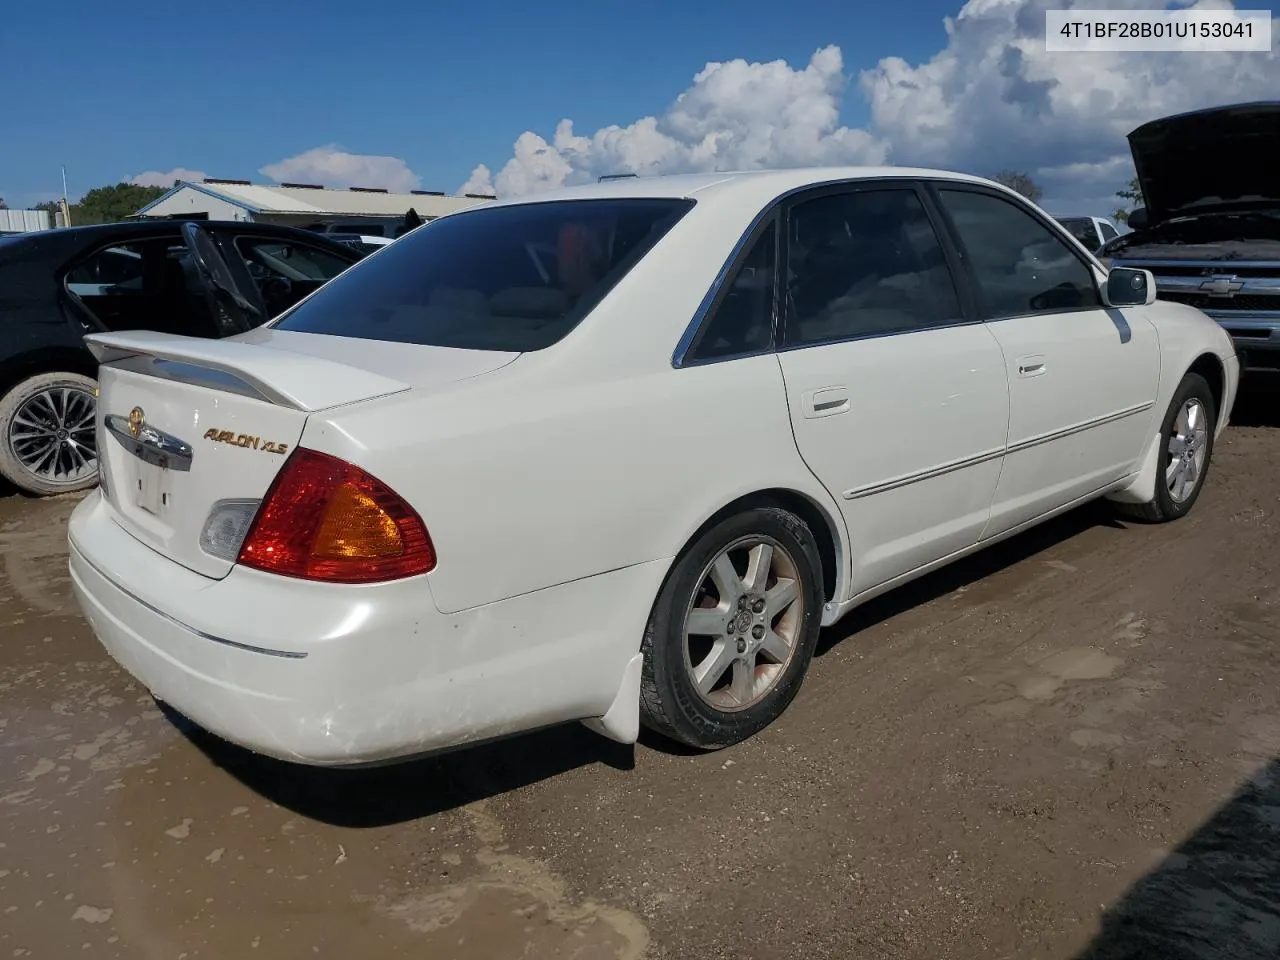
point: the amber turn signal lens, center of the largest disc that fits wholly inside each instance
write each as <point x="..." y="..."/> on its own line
<point x="326" y="519"/>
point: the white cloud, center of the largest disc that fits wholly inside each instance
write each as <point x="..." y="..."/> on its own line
<point x="991" y="99"/>
<point x="333" y="166"/>
<point x="736" y="115"/>
<point x="156" y="178"/>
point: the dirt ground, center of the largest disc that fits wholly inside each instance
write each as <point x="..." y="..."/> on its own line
<point x="1064" y="748"/>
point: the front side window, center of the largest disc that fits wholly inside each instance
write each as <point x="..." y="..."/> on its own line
<point x="285" y="271"/>
<point x="743" y="321"/>
<point x="1020" y="265"/>
<point x="1108" y="232"/>
<point x="268" y="257"/>
<point x="507" y="278"/>
<point x="864" y="264"/>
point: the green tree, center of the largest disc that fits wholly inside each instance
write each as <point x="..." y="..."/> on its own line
<point x="1020" y="183"/>
<point x="112" y="204"/>
<point x="3" y="205"/>
<point x="1133" y="194"/>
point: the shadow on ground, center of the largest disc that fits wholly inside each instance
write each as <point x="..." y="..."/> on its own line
<point x="972" y="569"/>
<point x="1217" y="897"/>
<point x="396" y="793"/>
<point x="1258" y="403"/>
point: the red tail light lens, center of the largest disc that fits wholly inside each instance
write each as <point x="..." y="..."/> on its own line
<point x="326" y="519"/>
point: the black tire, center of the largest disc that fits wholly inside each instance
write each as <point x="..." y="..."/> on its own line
<point x="12" y="468"/>
<point x="1165" y="507"/>
<point x="669" y="700"/>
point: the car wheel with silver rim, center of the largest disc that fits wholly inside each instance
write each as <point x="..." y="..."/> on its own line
<point x="47" y="434"/>
<point x="1186" y="445"/>
<point x="733" y="630"/>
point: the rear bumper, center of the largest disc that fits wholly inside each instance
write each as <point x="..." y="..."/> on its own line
<point x="335" y="675"/>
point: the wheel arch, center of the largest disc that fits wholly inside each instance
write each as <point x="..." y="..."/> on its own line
<point x="817" y="518"/>
<point x="46" y="360"/>
<point x="1210" y="366"/>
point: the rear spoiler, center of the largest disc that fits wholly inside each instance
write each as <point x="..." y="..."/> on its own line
<point x="285" y="379"/>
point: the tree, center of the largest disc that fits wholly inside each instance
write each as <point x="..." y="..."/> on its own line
<point x="113" y="204"/>
<point x="3" y="205"/>
<point x="1132" y="193"/>
<point x="1020" y="183"/>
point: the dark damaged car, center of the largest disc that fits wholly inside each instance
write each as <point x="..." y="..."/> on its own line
<point x="1210" y="230"/>
<point x="209" y="279"/>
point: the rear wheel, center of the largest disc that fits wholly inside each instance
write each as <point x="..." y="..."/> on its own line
<point x="47" y="436"/>
<point x="733" y="630"/>
<point x="1186" y="445"/>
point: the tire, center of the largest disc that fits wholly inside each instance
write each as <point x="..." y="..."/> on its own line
<point x="1173" y="500"/>
<point x="757" y="644"/>
<point x="57" y="409"/>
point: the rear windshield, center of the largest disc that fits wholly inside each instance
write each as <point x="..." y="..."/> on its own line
<point x="511" y="278"/>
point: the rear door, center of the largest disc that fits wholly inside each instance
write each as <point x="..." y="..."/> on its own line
<point x="898" y="396"/>
<point x="1082" y="377"/>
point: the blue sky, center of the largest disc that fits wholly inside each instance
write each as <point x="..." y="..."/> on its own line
<point x="138" y="85"/>
<point x="131" y="86"/>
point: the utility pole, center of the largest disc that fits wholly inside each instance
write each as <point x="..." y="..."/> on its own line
<point x="66" y="206"/>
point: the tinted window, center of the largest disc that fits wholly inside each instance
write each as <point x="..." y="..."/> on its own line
<point x="1021" y="267"/>
<point x="743" y="320"/>
<point x="138" y="285"/>
<point x="511" y="278"/>
<point x="1108" y="232"/>
<point x="268" y="257"/>
<point x="285" y="271"/>
<point x="865" y="263"/>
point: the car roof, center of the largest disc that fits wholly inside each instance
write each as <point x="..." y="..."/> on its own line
<point x="749" y="185"/>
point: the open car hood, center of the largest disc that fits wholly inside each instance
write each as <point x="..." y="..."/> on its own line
<point x="1222" y="158"/>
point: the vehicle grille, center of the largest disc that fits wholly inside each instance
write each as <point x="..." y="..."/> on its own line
<point x="1204" y="302"/>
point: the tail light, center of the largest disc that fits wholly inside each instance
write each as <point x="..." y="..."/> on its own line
<point x="326" y="519"/>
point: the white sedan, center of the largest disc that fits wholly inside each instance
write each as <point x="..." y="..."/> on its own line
<point x="615" y="454"/>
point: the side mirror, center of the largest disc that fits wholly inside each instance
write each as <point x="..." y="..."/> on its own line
<point x="1127" y="287"/>
<point x="1138" y="219"/>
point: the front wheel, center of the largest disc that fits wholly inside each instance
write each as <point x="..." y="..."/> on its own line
<point x="1186" y="447"/>
<point x="47" y="434"/>
<point x="733" y="630"/>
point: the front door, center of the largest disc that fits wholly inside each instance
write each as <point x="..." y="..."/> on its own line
<point x="1082" y="377"/>
<point x="898" y="400"/>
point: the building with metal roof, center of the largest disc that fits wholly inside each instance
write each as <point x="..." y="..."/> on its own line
<point x="300" y="204"/>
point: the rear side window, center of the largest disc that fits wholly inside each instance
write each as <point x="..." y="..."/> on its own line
<point x="513" y="279"/>
<point x="865" y="264"/>
<point x="743" y="321"/>
<point x="1108" y="232"/>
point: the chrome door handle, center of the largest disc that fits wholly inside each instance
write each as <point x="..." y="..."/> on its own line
<point x="826" y="402"/>
<point x="1031" y="366"/>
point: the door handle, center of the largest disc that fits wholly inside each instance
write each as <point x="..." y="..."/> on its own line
<point x="826" y="402"/>
<point x="1032" y="366"/>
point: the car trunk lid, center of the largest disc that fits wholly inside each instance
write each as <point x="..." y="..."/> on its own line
<point x="185" y="423"/>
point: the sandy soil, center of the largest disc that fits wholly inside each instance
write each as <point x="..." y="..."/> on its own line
<point x="1064" y="748"/>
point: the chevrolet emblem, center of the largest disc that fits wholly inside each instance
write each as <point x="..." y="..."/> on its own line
<point x="1222" y="286"/>
<point x="136" y="420"/>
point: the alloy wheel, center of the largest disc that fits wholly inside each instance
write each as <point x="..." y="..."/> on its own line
<point x="53" y="434"/>
<point x="742" y="626"/>
<point x="1188" y="448"/>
